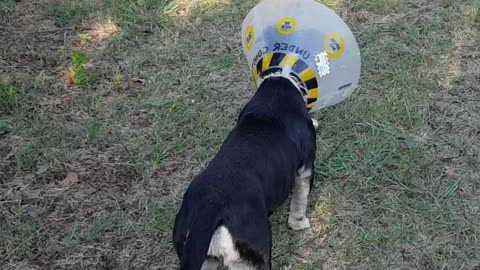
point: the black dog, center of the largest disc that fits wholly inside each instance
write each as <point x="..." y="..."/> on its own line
<point x="224" y="217"/>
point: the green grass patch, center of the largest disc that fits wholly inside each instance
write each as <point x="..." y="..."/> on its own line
<point x="7" y="7"/>
<point x="181" y="123"/>
<point x="84" y="38"/>
<point x="284" y="241"/>
<point x="72" y="11"/>
<point x="374" y="144"/>
<point x="8" y="99"/>
<point x="92" y="132"/>
<point x="71" y="240"/>
<point x="5" y="127"/>
<point x="477" y="40"/>
<point x="204" y="7"/>
<point x="18" y="236"/>
<point x="163" y="219"/>
<point x="116" y="225"/>
<point x="78" y="73"/>
<point x="97" y="230"/>
<point x="476" y="25"/>
<point x="27" y="156"/>
<point x="129" y="15"/>
<point x="141" y="13"/>
<point x="381" y="7"/>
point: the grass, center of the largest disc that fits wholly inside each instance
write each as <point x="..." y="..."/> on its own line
<point x="397" y="163"/>
<point x="72" y="11"/>
<point x="27" y="156"/>
<point x="164" y="219"/>
<point x="7" y="7"/>
<point x="78" y="75"/>
<point x="8" y="99"/>
<point x="130" y="15"/>
<point x="5" y="127"/>
<point x="92" y="132"/>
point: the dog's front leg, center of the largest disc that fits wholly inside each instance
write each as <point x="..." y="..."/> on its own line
<point x="297" y="219"/>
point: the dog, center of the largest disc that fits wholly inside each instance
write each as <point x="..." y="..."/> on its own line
<point x="223" y="222"/>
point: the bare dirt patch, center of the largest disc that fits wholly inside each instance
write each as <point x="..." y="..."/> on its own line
<point x="56" y="131"/>
<point x="32" y="43"/>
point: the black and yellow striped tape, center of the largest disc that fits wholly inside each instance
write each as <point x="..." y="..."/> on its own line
<point x="298" y="68"/>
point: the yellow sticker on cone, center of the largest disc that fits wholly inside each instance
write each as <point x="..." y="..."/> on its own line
<point x="286" y="26"/>
<point x="334" y="45"/>
<point x="248" y="37"/>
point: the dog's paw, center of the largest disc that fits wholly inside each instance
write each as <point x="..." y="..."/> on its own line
<point x="315" y="123"/>
<point x="298" y="224"/>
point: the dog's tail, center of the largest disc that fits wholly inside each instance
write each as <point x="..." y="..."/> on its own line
<point x="198" y="241"/>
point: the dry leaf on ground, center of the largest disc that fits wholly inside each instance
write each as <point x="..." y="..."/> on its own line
<point x="137" y="80"/>
<point x="70" y="180"/>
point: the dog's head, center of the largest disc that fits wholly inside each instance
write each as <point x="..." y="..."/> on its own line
<point x="285" y="73"/>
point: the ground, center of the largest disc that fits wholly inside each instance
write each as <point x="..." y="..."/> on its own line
<point x="108" y="108"/>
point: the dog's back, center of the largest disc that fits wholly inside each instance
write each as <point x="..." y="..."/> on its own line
<point x="225" y="209"/>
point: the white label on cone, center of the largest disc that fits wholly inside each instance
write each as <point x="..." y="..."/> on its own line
<point x="323" y="64"/>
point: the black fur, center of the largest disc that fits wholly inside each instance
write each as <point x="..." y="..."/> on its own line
<point x="250" y="177"/>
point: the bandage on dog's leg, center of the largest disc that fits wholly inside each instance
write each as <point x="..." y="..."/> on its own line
<point x="297" y="219"/>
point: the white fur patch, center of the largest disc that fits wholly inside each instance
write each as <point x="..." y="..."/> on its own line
<point x="222" y="246"/>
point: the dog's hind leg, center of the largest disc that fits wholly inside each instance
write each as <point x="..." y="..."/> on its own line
<point x="297" y="219"/>
<point x="251" y="231"/>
